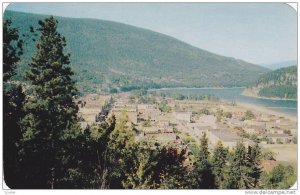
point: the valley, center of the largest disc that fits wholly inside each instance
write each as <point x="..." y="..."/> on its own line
<point x="185" y="121"/>
<point x="98" y="104"/>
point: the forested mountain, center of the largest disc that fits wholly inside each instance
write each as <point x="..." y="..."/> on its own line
<point x="281" y="83"/>
<point x="113" y="56"/>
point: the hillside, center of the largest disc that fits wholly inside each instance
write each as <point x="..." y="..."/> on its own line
<point x="113" y="56"/>
<point x="281" y="83"/>
<point x="278" y="65"/>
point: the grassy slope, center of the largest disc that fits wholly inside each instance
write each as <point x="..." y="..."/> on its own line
<point x="110" y="54"/>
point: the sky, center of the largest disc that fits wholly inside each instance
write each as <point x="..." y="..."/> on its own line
<point x="261" y="33"/>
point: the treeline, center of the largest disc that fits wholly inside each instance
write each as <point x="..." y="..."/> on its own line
<point x="45" y="148"/>
<point x="182" y="96"/>
<point x="283" y="91"/>
<point x="133" y="85"/>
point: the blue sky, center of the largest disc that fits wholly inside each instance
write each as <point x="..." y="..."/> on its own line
<point x="260" y="33"/>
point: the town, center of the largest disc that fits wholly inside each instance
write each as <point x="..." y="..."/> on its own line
<point x="166" y="120"/>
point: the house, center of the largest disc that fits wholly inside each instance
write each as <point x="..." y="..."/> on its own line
<point x="163" y="123"/>
<point x="147" y="112"/>
<point x="129" y="109"/>
<point x="282" y="120"/>
<point x="291" y="127"/>
<point x="143" y="108"/>
<point x="254" y="129"/>
<point x="227" y="138"/>
<point x="184" y="116"/>
<point x="196" y="129"/>
<point x="207" y="120"/>
<point x="275" y="130"/>
<point x="261" y="124"/>
<point x="270" y="125"/>
<point x="277" y="138"/>
<point x="150" y="130"/>
<point x="233" y="122"/>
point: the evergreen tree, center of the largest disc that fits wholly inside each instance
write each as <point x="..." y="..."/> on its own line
<point x="102" y="152"/>
<point x="254" y="158"/>
<point x="280" y="177"/>
<point x="51" y="112"/>
<point x="238" y="175"/>
<point x="75" y="170"/>
<point x="85" y="158"/>
<point x="203" y="168"/>
<point x="170" y="171"/>
<point x="13" y="100"/>
<point x="120" y="152"/>
<point x="155" y="167"/>
<point x="141" y="174"/>
<point x="12" y="49"/>
<point x="219" y="160"/>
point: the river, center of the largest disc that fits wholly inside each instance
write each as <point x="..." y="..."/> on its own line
<point x="235" y="94"/>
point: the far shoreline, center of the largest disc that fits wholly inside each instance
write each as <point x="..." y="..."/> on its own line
<point x="220" y="88"/>
<point x="268" y="98"/>
<point x="256" y="107"/>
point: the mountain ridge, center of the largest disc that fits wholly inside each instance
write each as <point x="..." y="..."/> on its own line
<point x="111" y="55"/>
<point x="281" y="64"/>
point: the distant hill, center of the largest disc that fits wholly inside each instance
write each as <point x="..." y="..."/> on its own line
<point x="278" y="65"/>
<point x="281" y="83"/>
<point x="117" y="57"/>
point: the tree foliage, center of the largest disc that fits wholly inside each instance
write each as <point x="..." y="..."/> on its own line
<point x="12" y="49"/>
<point x="50" y="111"/>
<point x="244" y="167"/>
<point x="280" y="177"/>
<point x="284" y="91"/>
<point x="13" y="100"/>
<point x="248" y="115"/>
<point x="204" y="177"/>
<point x="219" y="166"/>
<point x="254" y="162"/>
<point x="164" y="107"/>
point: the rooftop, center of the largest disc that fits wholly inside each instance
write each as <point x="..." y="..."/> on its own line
<point x="278" y="135"/>
<point x="225" y="135"/>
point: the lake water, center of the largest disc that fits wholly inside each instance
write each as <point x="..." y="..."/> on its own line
<point x="234" y="94"/>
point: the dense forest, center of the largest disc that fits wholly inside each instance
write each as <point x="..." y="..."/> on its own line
<point x="281" y="83"/>
<point x="112" y="57"/>
<point x="44" y="147"/>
